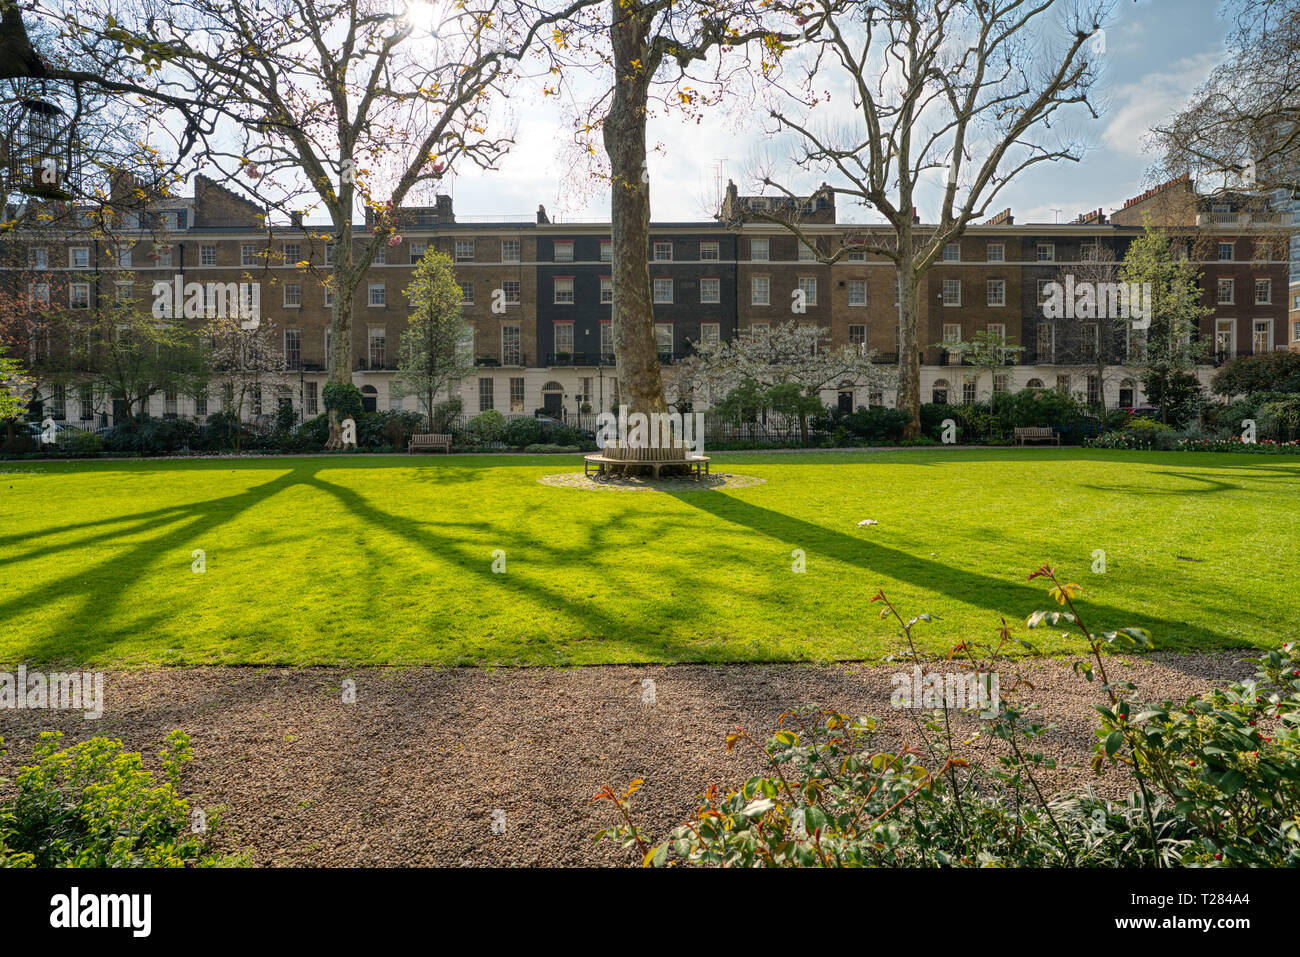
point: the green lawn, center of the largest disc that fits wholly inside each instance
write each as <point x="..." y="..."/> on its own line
<point x="350" y="559"/>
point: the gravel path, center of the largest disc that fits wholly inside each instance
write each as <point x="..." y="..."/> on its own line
<point x="411" y="773"/>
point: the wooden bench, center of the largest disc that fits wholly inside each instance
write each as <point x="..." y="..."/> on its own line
<point x="1036" y="433"/>
<point x="429" y="443"/>
<point x="603" y="463"/>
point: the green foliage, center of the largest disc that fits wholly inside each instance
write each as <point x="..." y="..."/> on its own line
<point x="742" y="404"/>
<point x="487" y="427"/>
<point x="523" y="431"/>
<point x="94" y="805"/>
<point x="1178" y="394"/>
<point x="445" y="413"/>
<point x="1266" y="372"/>
<point x="866" y="425"/>
<point x="432" y="353"/>
<point x="1217" y="779"/>
<point x="343" y="398"/>
<point x="12" y="383"/>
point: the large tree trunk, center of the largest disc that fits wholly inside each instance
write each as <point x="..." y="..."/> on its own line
<point x="640" y="379"/>
<point x="341" y="322"/>
<point x="909" y="351"/>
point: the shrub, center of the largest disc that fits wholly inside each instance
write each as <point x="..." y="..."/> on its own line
<point x="93" y="805"/>
<point x="1266" y="372"/>
<point x="445" y="414"/>
<point x="522" y="432"/>
<point x="86" y="443"/>
<point x="487" y="427"/>
<point x="547" y="449"/>
<point x="1216" y="779"/>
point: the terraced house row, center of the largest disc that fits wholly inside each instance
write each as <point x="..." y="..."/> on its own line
<point x="538" y="295"/>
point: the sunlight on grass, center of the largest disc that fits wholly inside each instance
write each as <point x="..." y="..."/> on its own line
<point x="338" y="559"/>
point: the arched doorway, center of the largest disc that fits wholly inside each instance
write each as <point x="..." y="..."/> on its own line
<point x="1035" y="384"/>
<point x="553" y="398"/>
<point x="1127" y="392"/>
<point x="369" y="398"/>
<point x="939" y="392"/>
<point x="846" y="397"/>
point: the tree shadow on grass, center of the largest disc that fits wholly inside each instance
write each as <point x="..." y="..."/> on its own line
<point x="1014" y="599"/>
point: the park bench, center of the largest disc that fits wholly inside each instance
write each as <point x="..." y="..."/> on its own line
<point x="602" y="463"/>
<point x="1036" y="433"/>
<point x="429" y="443"/>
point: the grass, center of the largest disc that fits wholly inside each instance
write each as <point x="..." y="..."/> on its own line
<point x="369" y="560"/>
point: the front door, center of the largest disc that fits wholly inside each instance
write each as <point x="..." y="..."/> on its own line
<point x="552" y="402"/>
<point x="846" y="402"/>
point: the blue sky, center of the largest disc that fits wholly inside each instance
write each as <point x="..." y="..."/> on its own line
<point x="1157" y="52"/>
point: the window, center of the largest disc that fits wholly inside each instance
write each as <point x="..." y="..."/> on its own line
<point x="564" y="251"/>
<point x="664" y="339"/>
<point x="57" y="406"/>
<point x="122" y="290"/>
<point x="1088" y="252"/>
<point x="162" y="255"/>
<point x="807" y="254"/>
<point x="1225" y="252"/>
<point x="710" y="332"/>
<point x="1094" y="389"/>
<point x="711" y="290"/>
<point x="311" y="398"/>
<point x="808" y="286"/>
<point x="1063" y="383"/>
<point x="898" y="287"/>
<point x="292" y="253"/>
<point x="663" y="251"/>
<point x="1263" y="292"/>
<point x="79" y="295"/>
<point x="377" y="294"/>
<point x="997" y="292"/>
<point x="760" y="291"/>
<point x="38" y="257"/>
<point x="381" y="257"/>
<point x="1295" y="331"/>
<point x="952" y="253"/>
<point x="564" y="339"/>
<point x="293" y="295"/>
<point x="1088" y="341"/>
<point x="86" y="400"/>
<point x="758" y="250"/>
<point x="329" y="346"/>
<point x="606" y="290"/>
<point x="39" y="293"/>
<point x="122" y="257"/>
<point x="1001" y="383"/>
<point x="327" y="294"/>
<point x="464" y="250"/>
<point x="858" y="337"/>
<point x="939" y="393"/>
<point x="952" y="292"/>
<point x="293" y="348"/>
<point x="394" y="400"/>
<point x="857" y="292"/>
<point x="248" y="254"/>
<point x="79" y="257"/>
<point x="418" y="249"/>
<point x="607" y="341"/>
<point x="170" y="404"/>
<point x="169" y="220"/>
<point x="606" y="251"/>
<point x="510" y="250"/>
<point x="1227" y="291"/>
<point x="952" y="333"/>
<point x="485" y="396"/>
<point x="511" y="289"/>
<point x="1047" y="252"/>
<point x="377" y="340"/>
<point x="968" y="389"/>
<point x="663" y="290"/>
<point x="564" y="290"/>
<point x="1263" y="336"/>
<point x="1042" y="290"/>
<point x="511" y="350"/>
<point x="517" y="394"/>
<point x="1225" y="336"/>
<point x="709" y="250"/>
<point x="466" y="293"/>
<point x="1126" y="389"/>
<point x="1045" y="343"/>
<point x="207" y="255"/>
<point x="997" y="252"/>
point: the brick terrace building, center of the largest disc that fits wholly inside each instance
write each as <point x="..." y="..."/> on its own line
<point x="547" y="343"/>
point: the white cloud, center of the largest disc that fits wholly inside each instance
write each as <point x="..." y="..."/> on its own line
<point x="1151" y="100"/>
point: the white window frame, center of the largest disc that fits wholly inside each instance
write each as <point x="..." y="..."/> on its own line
<point x="757" y="283"/>
<point x="857" y="293"/>
<point x="564" y="292"/>
<point x="376" y="287"/>
<point x="758" y="243"/>
<point x="1000" y="285"/>
<point x="947" y="286"/>
<point x="715" y="284"/>
<point x="659" y="286"/>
